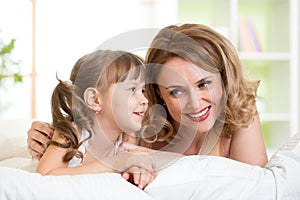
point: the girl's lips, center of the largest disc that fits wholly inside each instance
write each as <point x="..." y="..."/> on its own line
<point x="139" y="114"/>
<point x="201" y="115"/>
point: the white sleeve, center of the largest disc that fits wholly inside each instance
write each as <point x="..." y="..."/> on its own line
<point x="285" y="165"/>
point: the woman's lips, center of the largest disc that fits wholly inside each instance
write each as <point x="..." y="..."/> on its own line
<point x="200" y="116"/>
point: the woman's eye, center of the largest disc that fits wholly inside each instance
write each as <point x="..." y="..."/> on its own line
<point x="133" y="89"/>
<point x="204" y="84"/>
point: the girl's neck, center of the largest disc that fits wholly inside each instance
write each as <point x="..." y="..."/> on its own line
<point x="111" y="132"/>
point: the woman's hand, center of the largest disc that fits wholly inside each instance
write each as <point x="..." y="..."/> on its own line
<point x="39" y="134"/>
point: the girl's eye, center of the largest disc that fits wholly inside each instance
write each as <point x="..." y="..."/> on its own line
<point x="143" y="90"/>
<point x="176" y="92"/>
<point x="133" y="89"/>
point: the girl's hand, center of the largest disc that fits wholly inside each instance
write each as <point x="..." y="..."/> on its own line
<point x="129" y="147"/>
<point x="160" y="158"/>
<point x="136" y="167"/>
<point x="125" y="160"/>
<point x="39" y="134"/>
<point x="139" y="176"/>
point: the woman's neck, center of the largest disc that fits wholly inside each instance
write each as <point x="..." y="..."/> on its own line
<point x="196" y="142"/>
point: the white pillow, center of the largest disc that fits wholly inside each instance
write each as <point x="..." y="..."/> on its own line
<point x="209" y="177"/>
<point x="20" y="184"/>
<point x="26" y="164"/>
<point x="13" y="138"/>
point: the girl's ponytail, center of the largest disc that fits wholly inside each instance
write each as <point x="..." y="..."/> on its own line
<point x="62" y="119"/>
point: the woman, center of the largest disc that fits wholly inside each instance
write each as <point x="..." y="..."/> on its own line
<point x="195" y="74"/>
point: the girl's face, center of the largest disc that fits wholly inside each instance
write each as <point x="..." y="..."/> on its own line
<point x="192" y="95"/>
<point x="125" y="105"/>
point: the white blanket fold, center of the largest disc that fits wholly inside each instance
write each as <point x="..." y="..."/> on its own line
<point x="190" y="177"/>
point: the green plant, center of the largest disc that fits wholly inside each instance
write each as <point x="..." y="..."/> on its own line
<point x="9" y="69"/>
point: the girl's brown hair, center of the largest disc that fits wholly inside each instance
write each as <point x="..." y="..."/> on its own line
<point x="99" y="69"/>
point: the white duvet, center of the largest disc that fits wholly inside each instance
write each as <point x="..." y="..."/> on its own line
<point x="191" y="177"/>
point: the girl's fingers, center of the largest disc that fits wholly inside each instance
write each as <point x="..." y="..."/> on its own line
<point x="128" y="147"/>
<point x="126" y="175"/>
<point x="146" y="178"/>
<point x="136" y="174"/>
<point x="143" y="178"/>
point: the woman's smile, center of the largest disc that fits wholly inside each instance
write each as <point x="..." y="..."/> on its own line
<point x="200" y="115"/>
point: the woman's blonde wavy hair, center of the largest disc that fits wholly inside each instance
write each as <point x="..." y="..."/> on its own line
<point x="211" y="51"/>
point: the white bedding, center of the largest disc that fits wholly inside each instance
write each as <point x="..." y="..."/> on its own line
<point x="192" y="177"/>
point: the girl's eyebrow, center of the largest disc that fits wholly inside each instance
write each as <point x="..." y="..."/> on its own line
<point x="132" y="81"/>
<point x="174" y="86"/>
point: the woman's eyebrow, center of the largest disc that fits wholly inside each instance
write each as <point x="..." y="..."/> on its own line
<point x="204" y="79"/>
<point x="182" y="86"/>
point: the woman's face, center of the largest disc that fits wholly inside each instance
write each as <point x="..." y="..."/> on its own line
<point x="192" y="95"/>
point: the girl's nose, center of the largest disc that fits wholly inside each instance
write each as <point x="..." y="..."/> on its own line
<point x="144" y="100"/>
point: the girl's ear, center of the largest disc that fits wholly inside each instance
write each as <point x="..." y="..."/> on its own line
<point x="92" y="99"/>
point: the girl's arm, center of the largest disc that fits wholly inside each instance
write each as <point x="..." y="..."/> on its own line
<point x="161" y="159"/>
<point x="118" y="164"/>
<point x="248" y="146"/>
<point x="52" y="162"/>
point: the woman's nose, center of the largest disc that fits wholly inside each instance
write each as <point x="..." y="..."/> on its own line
<point x="194" y="99"/>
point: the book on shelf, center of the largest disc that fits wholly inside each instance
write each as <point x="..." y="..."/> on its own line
<point x="248" y="37"/>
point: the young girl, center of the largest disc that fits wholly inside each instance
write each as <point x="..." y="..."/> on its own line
<point x="91" y="115"/>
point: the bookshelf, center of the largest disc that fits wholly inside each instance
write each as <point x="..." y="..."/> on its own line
<point x="266" y="35"/>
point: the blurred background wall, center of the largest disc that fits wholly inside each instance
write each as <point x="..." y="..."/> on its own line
<point x="52" y="34"/>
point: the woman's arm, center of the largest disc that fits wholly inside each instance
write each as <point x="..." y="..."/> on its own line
<point x="38" y="136"/>
<point x="248" y="146"/>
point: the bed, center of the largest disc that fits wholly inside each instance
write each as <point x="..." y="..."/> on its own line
<point x="191" y="177"/>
